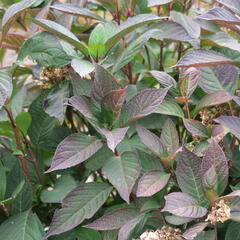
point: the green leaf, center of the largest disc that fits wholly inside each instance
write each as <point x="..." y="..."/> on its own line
<point x="80" y="204"/>
<point x="5" y="87"/>
<point x="23" y="121"/>
<point x="97" y="39"/>
<point x="221" y="39"/>
<point x="171" y="108"/>
<point x="55" y="101"/>
<point x="62" y="187"/>
<point x="122" y="172"/>
<point x="233" y="231"/>
<point x="24" y="226"/>
<point x="17" y="101"/>
<point x="88" y="234"/>
<point x="97" y="160"/>
<point x="42" y="124"/>
<point x="128" y="26"/>
<point x="45" y="49"/>
<point x="82" y="67"/>
<point x="153" y="3"/>
<point x="13" y="12"/>
<point x="18" y="189"/>
<point x="132" y="49"/>
<point x="3" y="182"/>
<point x="63" y="33"/>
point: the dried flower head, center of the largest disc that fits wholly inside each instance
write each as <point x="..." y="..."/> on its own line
<point x="219" y="213"/>
<point x="50" y="76"/>
<point x="165" y="233"/>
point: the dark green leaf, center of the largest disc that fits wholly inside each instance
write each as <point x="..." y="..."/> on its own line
<point x="45" y="49"/>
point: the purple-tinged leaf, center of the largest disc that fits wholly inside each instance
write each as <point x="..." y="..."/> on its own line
<point x="237" y="100"/>
<point x="217" y="78"/>
<point x="55" y="102"/>
<point x="169" y="136"/>
<point x="113" y="137"/>
<point x="195" y="127"/>
<point x="231" y="123"/>
<point x="73" y="150"/>
<point x="154" y="3"/>
<point x="194" y="230"/>
<point x="183" y="205"/>
<point x="220" y="16"/>
<point x="213" y="99"/>
<point x="210" y="179"/>
<point x="122" y="172"/>
<point x="233" y="5"/>
<point x="74" y="9"/>
<point x="113" y="102"/>
<point x="230" y="196"/>
<point x="189" y="175"/>
<point x="163" y="78"/>
<point x="80" y="204"/>
<point x="82" y="104"/>
<point x="13" y="12"/>
<point x="142" y="104"/>
<point x="114" y="220"/>
<point x="214" y="156"/>
<point x="151" y="183"/>
<point x="218" y="133"/>
<point x="5" y="87"/>
<point x="104" y="83"/>
<point x="176" y="220"/>
<point x="174" y="31"/>
<point x="151" y="140"/>
<point x="204" y="58"/>
<point x="191" y="25"/>
<point x="129" y="227"/>
<point x="188" y="81"/>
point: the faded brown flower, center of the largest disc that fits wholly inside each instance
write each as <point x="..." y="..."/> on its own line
<point x="165" y="233"/>
<point x="219" y="213"/>
<point x="50" y="76"/>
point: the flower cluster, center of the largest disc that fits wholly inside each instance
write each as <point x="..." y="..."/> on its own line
<point x="50" y="76"/>
<point x="219" y="213"/>
<point x="165" y="233"/>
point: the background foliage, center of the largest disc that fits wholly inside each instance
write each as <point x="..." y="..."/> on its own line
<point x="119" y="116"/>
